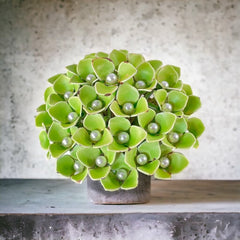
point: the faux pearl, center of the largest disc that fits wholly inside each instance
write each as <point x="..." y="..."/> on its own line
<point x="78" y="167"/>
<point x="96" y="105"/>
<point x="90" y="78"/>
<point x="101" y="161"/>
<point x="123" y="137"/>
<point x="153" y="128"/>
<point x="67" y="95"/>
<point x="72" y="117"/>
<point x="173" y="137"/>
<point x="142" y="159"/>
<point x="111" y="78"/>
<point x="140" y="84"/>
<point x="164" y="162"/>
<point x="128" y="108"/>
<point x="67" y="142"/>
<point x="165" y="84"/>
<point x="95" y="136"/>
<point x="167" y="107"/>
<point x="121" y="174"/>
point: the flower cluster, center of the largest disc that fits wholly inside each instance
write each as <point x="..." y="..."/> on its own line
<point x="114" y="115"/>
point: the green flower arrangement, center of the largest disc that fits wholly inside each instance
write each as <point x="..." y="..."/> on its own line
<point x="113" y="116"/>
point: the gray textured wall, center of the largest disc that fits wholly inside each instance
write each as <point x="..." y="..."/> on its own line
<point x="39" y="38"/>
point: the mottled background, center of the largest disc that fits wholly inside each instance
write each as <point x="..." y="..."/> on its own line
<point x="39" y="38"/>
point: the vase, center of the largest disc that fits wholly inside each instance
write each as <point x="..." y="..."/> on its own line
<point x="140" y="194"/>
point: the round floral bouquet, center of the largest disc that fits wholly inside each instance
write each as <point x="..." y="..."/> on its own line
<point x="114" y="115"/>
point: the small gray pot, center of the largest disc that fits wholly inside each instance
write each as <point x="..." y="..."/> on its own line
<point x="140" y="194"/>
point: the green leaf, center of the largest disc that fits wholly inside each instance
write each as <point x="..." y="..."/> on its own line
<point x="103" y="89"/>
<point x="110" y="183"/>
<point x="135" y="59"/>
<point x="110" y="155"/>
<point x="130" y="157"/>
<point x="82" y="137"/>
<point x="94" y="122"/>
<point x="180" y="125"/>
<point x="60" y="111"/>
<point x="54" y="78"/>
<point x="137" y="135"/>
<point x="145" y="118"/>
<point x="195" y="126"/>
<point x="127" y="94"/>
<point x="187" y="140"/>
<point x="72" y="69"/>
<point x="145" y="72"/>
<point x="149" y="168"/>
<point x="105" y="140"/>
<point x="87" y="94"/>
<point x="102" y="67"/>
<point x="155" y="64"/>
<point x="187" y="89"/>
<point x="162" y="174"/>
<point x="65" y="166"/>
<point x="48" y="92"/>
<point x="98" y="173"/>
<point x="87" y="156"/>
<point x="131" y="181"/>
<point x="43" y="119"/>
<point x="177" y="162"/>
<point x="57" y="150"/>
<point x="126" y="71"/>
<point x="178" y="100"/>
<point x="76" y="104"/>
<point x="193" y="105"/>
<point x="84" y="68"/>
<point x="167" y="73"/>
<point x="117" y="57"/>
<point x="43" y="138"/>
<point x="152" y="150"/>
<point x="62" y="85"/>
<point x="166" y="121"/>
<point x="56" y="133"/>
<point x="160" y="96"/>
<point x="79" y="177"/>
<point x="118" y="124"/>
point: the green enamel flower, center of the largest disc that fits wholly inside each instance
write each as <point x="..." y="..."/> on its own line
<point x="124" y="135"/>
<point x="94" y="133"/>
<point x="121" y="176"/>
<point x="128" y="102"/>
<point x="145" y="157"/>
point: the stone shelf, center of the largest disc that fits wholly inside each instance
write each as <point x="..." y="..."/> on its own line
<point x="60" y="209"/>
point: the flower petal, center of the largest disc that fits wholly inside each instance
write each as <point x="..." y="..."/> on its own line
<point x="187" y="140"/>
<point x="162" y="174"/>
<point x="60" y="111"/>
<point x="98" y="173"/>
<point x="72" y="69"/>
<point x="43" y="119"/>
<point x="43" y="138"/>
<point x="166" y="121"/>
<point x="117" y="111"/>
<point x="137" y="135"/>
<point x="152" y="150"/>
<point x="110" y="155"/>
<point x="135" y="59"/>
<point x="79" y="177"/>
<point x="145" y="118"/>
<point x="82" y="137"/>
<point x="165" y="150"/>
<point x="93" y="122"/>
<point x="76" y="104"/>
<point x="160" y="96"/>
<point x="155" y="64"/>
<point x="54" y="98"/>
<point x="131" y="181"/>
<point x="187" y="89"/>
<point x="87" y="156"/>
<point x="110" y="183"/>
<point x="114" y="146"/>
<point x="57" y="150"/>
<point x="127" y="93"/>
<point x="149" y="168"/>
<point x="62" y="85"/>
<point x="195" y="126"/>
<point x="167" y="73"/>
<point x="180" y="125"/>
<point x="145" y="72"/>
<point x="141" y="107"/>
<point x="56" y="133"/>
<point x="154" y="138"/>
<point x="177" y="162"/>
<point x="130" y="157"/>
<point x="102" y="67"/>
<point x="178" y="100"/>
<point x="150" y="87"/>
<point x="105" y="140"/>
<point x="54" y="78"/>
<point x="117" y="57"/>
<point x="48" y="92"/>
<point x="87" y="94"/>
<point x="193" y="104"/>
<point x="126" y="71"/>
<point x="85" y="68"/>
<point x="118" y="124"/>
<point x="103" y="89"/>
<point x="102" y="54"/>
<point x="65" y="165"/>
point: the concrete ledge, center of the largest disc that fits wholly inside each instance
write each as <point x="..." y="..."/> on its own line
<point x="59" y="209"/>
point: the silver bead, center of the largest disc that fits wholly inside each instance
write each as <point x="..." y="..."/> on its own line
<point x="142" y="159"/>
<point x="140" y="84"/>
<point x="153" y="128"/>
<point x="165" y="84"/>
<point x="67" y="142"/>
<point x="95" y="136"/>
<point x="167" y="107"/>
<point x="90" y="78"/>
<point x="164" y="162"/>
<point x="123" y="137"/>
<point x="128" y="108"/>
<point x="111" y="78"/>
<point x="67" y="95"/>
<point x="173" y="137"/>
<point x="121" y="174"/>
<point x="96" y="105"/>
<point x="101" y="161"/>
<point x="78" y="167"/>
<point x="72" y="117"/>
